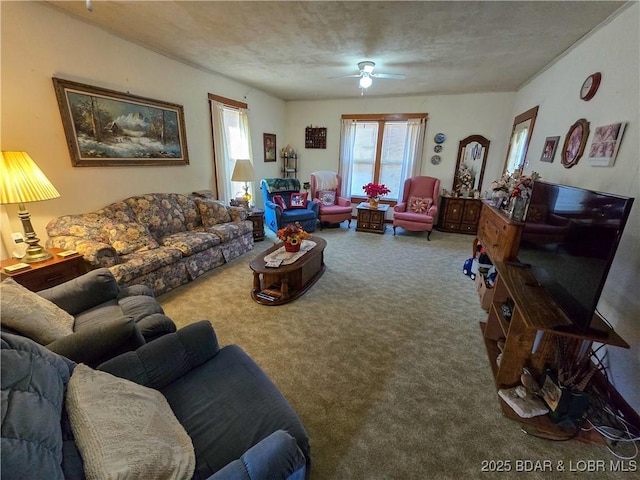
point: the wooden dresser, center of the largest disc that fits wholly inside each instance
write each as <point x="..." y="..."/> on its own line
<point x="499" y="235"/>
<point x="459" y="215"/>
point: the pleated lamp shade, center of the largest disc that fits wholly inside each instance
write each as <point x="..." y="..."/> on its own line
<point x="22" y="180"/>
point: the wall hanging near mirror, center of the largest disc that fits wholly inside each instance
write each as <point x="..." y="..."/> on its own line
<point x="472" y="158"/>
<point x="315" y="137"/>
<point x="108" y="128"/>
<point x="574" y="143"/>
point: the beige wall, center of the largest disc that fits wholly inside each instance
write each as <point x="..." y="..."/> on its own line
<point x="38" y="43"/>
<point x="457" y="116"/>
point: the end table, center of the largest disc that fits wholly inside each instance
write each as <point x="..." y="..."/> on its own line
<point x="46" y="274"/>
<point x="257" y="217"/>
<point x="371" y="219"/>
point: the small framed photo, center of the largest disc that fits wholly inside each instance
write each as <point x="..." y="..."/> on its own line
<point x="269" y="147"/>
<point x="605" y="145"/>
<point x="549" y="150"/>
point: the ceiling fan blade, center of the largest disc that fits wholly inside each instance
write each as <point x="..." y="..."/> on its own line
<point x="348" y="76"/>
<point x="389" y="75"/>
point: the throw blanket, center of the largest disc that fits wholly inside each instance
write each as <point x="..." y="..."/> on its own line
<point x="326" y="180"/>
<point x="276" y="185"/>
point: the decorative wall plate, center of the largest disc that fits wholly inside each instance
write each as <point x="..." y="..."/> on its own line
<point x="437" y="148"/>
<point x="574" y="143"/>
<point x="439" y="138"/>
<point x="436" y="159"/>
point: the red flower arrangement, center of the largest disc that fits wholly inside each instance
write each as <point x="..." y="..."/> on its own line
<point x="375" y="190"/>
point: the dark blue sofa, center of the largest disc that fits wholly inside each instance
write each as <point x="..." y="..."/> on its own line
<point x="275" y="217"/>
<point x="240" y="425"/>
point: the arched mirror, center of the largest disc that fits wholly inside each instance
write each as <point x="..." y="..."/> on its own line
<point x="519" y="143"/>
<point x="472" y="157"/>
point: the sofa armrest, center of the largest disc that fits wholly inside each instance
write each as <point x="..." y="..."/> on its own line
<point x="276" y="456"/>
<point x="84" y="292"/>
<point x="433" y="211"/>
<point x="343" y="202"/>
<point x="313" y="205"/>
<point x="238" y="214"/>
<point x="400" y="207"/>
<point x="96" y="254"/>
<point x="95" y="344"/>
<point x="160" y="362"/>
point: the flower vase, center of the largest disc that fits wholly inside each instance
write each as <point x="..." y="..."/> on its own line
<point x="374" y="202"/>
<point x="292" y="247"/>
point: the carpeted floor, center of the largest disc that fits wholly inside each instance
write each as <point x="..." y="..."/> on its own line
<point x="383" y="360"/>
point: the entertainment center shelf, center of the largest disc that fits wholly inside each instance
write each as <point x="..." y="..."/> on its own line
<point x="530" y="338"/>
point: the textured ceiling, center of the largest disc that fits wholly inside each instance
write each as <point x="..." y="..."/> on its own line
<point x="291" y="49"/>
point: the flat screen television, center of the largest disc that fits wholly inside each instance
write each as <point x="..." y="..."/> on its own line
<point x="569" y="240"/>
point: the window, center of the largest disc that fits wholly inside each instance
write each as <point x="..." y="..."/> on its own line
<point x="231" y="142"/>
<point x="380" y="149"/>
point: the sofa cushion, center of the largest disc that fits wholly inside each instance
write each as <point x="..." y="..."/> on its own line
<point x="125" y="430"/>
<point x="419" y="204"/>
<point x="31" y="315"/>
<point x="226" y="388"/>
<point x="299" y="200"/>
<point x="87" y="225"/>
<point x="191" y="242"/>
<point x="129" y="237"/>
<point x="278" y="200"/>
<point x="212" y="212"/>
<point x="33" y="382"/>
<point x="137" y="264"/>
<point x="160" y="212"/>
<point x="327" y="197"/>
<point x="231" y="230"/>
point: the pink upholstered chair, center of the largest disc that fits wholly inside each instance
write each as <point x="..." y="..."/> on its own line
<point x="325" y="189"/>
<point x="419" y="205"/>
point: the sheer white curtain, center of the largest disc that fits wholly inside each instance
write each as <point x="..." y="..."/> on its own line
<point x="232" y="141"/>
<point x="348" y="136"/>
<point x="413" y="145"/>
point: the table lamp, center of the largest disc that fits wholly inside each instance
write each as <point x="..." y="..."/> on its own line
<point x="23" y="182"/>
<point x="243" y="172"/>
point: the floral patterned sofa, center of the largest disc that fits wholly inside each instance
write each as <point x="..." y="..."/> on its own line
<point x="161" y="240"/>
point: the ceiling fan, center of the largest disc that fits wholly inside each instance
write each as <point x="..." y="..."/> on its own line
<point x="366" y="74"/>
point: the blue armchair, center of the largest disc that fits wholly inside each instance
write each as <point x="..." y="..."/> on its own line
<point x="277" y="218"/>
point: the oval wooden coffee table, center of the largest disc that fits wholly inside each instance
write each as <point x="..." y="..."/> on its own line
<point x="280" y="285"/>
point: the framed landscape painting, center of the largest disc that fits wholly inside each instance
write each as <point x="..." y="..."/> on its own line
<point x="108" y="128"/>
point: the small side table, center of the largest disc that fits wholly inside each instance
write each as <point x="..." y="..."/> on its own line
<point x="257" y="217"/>
<point x="46" y="274"/>
<point x="371" y="219"/>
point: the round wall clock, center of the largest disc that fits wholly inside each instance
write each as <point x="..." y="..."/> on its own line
<point x="590" y="86"/>
<point x="436" y="159"/>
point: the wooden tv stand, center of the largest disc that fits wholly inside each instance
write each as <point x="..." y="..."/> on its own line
<point x="530" y="336"/>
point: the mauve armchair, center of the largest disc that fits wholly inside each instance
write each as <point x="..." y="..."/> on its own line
<point x="325" y="189"/>
<point x="419" y="207"/>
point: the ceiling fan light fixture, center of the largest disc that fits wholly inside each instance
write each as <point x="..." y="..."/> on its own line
<point x="365" y="81"/>
<point x="366" y="66"/>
